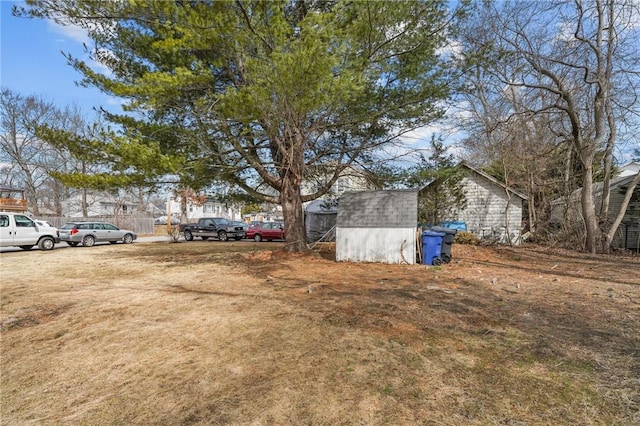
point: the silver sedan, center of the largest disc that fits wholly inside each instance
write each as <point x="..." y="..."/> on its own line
<point x="89" y="233"/>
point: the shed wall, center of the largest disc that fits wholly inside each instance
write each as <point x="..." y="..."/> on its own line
<point x="384" y="245"/>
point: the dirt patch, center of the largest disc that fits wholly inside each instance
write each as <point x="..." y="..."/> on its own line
<point x="244" y="333"/>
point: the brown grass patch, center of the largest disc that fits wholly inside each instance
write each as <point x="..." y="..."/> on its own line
<point x="244" y="333"/>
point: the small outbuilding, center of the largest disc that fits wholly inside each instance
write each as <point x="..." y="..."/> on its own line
<point x="377" y="226"/>
<point x="320" y="220"/>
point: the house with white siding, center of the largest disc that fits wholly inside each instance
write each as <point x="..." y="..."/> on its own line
<point x="101" y="204"/>
<point x="209" y="208"/>
<point x="492" y="211"/>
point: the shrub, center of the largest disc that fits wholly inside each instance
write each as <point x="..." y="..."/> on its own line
<point x="464" y="237"/>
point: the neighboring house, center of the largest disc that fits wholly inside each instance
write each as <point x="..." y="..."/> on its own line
<point x="274" y="214"/>
<point x="377" y="226"/>
<point x="628" y="234"/>
<point x="350" y="180"/>
<point x="13" y="200"/>
<point x="210" y="208"/>
<point x="321" y="214"/>
<point x="491" y="208"/>
<point x="100" y="204"/>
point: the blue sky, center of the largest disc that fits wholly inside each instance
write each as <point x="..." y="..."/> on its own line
<point x="31" y="62"/>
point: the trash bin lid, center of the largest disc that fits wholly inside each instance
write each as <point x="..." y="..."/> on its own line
<point x="445" y="230"/>
<point x="433" y="234"/>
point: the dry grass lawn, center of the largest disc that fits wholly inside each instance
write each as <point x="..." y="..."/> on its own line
<point x="242" y="333"/>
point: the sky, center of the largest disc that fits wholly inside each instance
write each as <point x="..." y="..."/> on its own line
<point x="31" y="62"/>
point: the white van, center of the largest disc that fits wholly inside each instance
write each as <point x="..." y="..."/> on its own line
<point x="21" y="231"/>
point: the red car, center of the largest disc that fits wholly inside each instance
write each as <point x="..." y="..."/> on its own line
<point x="266" y="231"/>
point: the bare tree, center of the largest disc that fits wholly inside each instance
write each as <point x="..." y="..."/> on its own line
<point x="509" y="141"/>
<point x="578" y="62"/>
<point x="26" y="154"/>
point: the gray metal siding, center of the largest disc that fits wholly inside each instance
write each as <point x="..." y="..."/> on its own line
<point x="383" y="245"/>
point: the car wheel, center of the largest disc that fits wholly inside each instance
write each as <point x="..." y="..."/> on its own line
<point x="128" y="239"/>
<point x="72" y="243"/>
<point x="257" y="238"/>
<point x="222" y="236"/>
<point x="188" y="235"/>
<point x="88" y="241"/>
<point x="26" y="247"/>
<point x="46" y="243"/>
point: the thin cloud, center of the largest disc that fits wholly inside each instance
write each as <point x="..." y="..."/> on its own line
<point x="81" y="36"/>
<point x="73" y="32"/>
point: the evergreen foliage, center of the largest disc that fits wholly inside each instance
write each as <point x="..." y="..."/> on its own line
<point x="253" y="93"/>
<point x="440" y="182"/>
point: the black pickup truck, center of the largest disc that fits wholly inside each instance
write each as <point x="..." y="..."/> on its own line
<point x="212" y="227"/>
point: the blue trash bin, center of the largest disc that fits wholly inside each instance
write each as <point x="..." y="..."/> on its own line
<point x="432" y="247"/>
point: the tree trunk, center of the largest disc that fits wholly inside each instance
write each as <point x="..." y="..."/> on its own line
<point x="291" y="201"/>
<point x="506" y="208"/>
<point x="532" y="204"/>
<point x="588" y="209"/>
<point x="85" y="204"/>
<point x="608" y="238"/>
<point x="58" y="195"/>
<point x="32" y="197"/>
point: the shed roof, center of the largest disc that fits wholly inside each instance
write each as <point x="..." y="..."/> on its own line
<point x="378" y="209"/>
